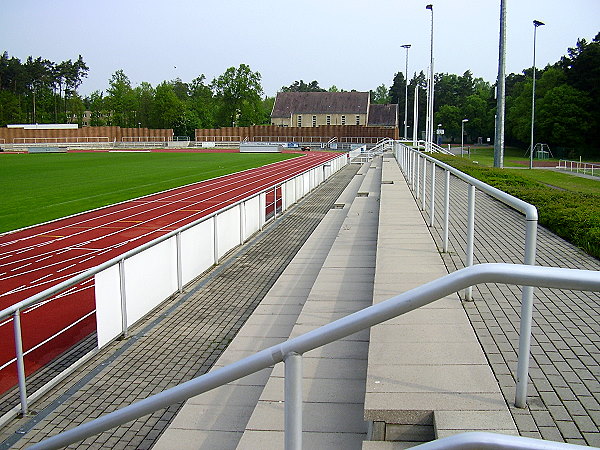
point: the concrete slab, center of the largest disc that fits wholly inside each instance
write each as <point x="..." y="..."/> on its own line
<point x="420" y="378"/>
<point x="319" y="390"/>
<point x="316" y="417"/>
<point x="185" y="439"/>
<point x="274" y="440"/>
<point x="429" y="353"/>
<point x="424" y="401"/>
<point x="474" y="420"/>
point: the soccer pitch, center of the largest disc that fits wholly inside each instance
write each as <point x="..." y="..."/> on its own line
<point x="37" y="188"/>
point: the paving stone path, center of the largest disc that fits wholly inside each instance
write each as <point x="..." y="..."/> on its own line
<point x="179" y="340"/>
<point x="564" y="387"/>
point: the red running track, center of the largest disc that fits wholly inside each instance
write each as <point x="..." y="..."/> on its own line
<point x="34" y="259"/>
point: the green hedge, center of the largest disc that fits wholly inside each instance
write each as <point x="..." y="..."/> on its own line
<point x="573" y="216"/>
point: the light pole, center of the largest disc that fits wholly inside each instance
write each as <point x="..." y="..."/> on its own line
<point x="536" y="24"/>
<point x="462" y="135"/>
<point x="406" y="46"/>
<point x="500" y="96"/>
<point x="429" y="134"/>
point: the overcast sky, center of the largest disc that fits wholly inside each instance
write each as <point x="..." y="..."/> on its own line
<point x="348" y="43"/>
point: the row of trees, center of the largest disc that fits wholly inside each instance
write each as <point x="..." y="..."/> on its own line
<point x="39" y="90"/>
<point x="567" y="102"/>
<point x="567" y="99"/>
<point x="233" y="98"/>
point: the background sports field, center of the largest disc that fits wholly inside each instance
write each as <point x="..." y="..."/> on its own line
<point x="36" y="188"/>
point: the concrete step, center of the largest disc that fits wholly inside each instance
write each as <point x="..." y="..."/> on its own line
<point x="427" y="374"/>
<point x="217" y="419"/>
<point x="335" y="375"/>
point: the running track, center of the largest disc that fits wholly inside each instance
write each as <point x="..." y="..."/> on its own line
<point x="34" y="259"/>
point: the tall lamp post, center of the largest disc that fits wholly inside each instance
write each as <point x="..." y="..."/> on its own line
<point x="462" y="135"/>
<point x="500" y="96"/>
<point x="429" y="134"/>
<point x="536" y="24"/>
<point x="406" y="46"/>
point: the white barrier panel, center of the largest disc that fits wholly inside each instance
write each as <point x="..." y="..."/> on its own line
<point x="290" y="192"/>
<point x="252" y="217"/>
<point x="150" y="277"/>
<point x="197" y="250"/>
<point x="108" y="305"/>
<point x="305" y="184"/>
<point x="228" y="230"/>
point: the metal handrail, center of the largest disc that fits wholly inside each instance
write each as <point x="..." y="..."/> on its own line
<point x="433" y="147"/>
<point x="410" y="162"/>
<point x="578" y="165"/>
<point x="15" y="309"/>
<point x="291" y="351"/>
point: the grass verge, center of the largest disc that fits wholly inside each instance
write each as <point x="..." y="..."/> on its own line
<point x="40" y="187"/>
<point x="567" y="205"/>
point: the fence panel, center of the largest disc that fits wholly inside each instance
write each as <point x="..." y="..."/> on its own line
<point x="197" y="250"/>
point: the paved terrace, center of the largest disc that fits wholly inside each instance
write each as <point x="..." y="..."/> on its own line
<point x="564" y="391"/>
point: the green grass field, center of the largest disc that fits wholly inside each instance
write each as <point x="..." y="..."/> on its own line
<point x="40" y="187"/>
<point x="568" y="205"/>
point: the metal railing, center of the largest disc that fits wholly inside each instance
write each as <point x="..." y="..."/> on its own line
<point x="579" y="167"/>
<point x="432" y="147"/>
<point x="62" y="140"/>
<point x="275" y="194"/>
<point x="290" y="352"/>
<point x="363" y="154"/>
<point x="414" y="164"/>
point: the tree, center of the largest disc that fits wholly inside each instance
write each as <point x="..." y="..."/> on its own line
<point x="95" y="103"/>
<point x="201" y="101"/>
<point x="380" y="95"/>
<point x="301" y="86"/>
<point x="451" y="119"/>
<point x="563" y="117"/>
<point x="238" y="92"/>
<point x="120" y="100"/>
<point x="144" y="103"/>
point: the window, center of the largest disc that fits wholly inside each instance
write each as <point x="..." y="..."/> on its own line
<point x="357" y="119"/>
<point x="328" y="120"/>
<point x="343" y="120"/>
<point x="299" y="121"/>
<point x="314" y="121"/>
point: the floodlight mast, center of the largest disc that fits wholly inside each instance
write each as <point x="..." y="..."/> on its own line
<point x="429" y="132"/>
<point x="406" y="46"/>
<point x="500" y="95"/>
<point x="536" y="24"/>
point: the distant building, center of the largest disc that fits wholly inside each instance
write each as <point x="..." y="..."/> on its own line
<point x="315" y="109"/>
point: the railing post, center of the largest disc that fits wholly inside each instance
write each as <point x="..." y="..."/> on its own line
<point x="20" y="361"/>
<point x="526" y="319"/>
<point x="179" y="269"/>
<point x="470" y="237"/>
<point x="432" y="199"/>
<point x="275" y="196"/>
<point x="124" y="325"/>
<point x="424" y="187"/>
<point x="293" y="401"/>
<point x="446" y="210"/>
<point x="413" y="172"/>
<point x="417" y="175"/>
